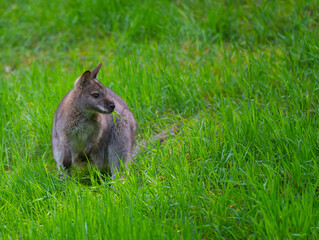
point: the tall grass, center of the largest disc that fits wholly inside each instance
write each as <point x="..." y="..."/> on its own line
<point x="240" y="77"/>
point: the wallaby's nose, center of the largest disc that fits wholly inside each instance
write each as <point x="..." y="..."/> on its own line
<point x="112" y="105"/>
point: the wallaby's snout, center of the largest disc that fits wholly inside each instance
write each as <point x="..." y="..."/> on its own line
<point x="108" y="107"/>
<point x="111" y="106"/>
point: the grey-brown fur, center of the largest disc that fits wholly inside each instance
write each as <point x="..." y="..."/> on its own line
<point x="84" y="128"/>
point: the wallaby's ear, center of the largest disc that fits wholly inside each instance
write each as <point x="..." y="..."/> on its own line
<point x="82" y="81"/>
<point x="95" y="71"/>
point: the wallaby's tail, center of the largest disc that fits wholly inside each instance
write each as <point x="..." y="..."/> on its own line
<point x="158" y="137"/>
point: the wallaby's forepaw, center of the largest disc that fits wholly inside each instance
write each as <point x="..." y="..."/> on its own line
<point x="83" y="157"/>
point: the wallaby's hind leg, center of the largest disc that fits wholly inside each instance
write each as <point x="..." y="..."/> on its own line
<point x="119" y="154"/>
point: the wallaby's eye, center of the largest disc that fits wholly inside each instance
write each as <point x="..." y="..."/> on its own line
<point x="95" y="95"/>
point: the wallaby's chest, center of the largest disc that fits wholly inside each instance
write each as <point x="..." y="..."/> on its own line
<point x="81" y="135"/>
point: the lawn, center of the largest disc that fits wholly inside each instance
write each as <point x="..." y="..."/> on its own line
<point x="241" y="78"/>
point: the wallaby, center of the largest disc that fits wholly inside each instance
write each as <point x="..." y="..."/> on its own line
<point x="84" y="130"/>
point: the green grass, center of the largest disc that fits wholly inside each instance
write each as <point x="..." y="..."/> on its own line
<point x="240" y="77"/>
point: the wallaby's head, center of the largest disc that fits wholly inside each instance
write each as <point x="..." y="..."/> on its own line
<point x="91" y="95"/>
